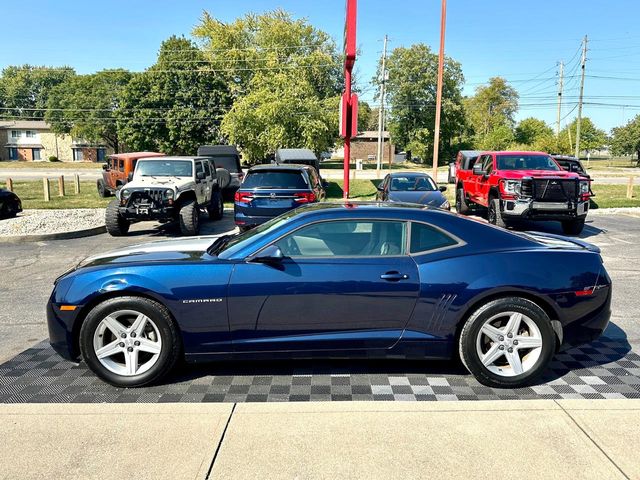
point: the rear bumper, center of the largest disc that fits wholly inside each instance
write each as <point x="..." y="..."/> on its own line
<point x="589" y="327"/>
<point x="533" y="210"/>
<point x="243" y="220"/>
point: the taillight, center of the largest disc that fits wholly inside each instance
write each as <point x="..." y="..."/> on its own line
<point x="243" y="197"/>
<point x="305" y="197"/>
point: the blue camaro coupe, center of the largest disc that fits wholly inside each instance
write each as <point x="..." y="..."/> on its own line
<point x="336" y="280"/>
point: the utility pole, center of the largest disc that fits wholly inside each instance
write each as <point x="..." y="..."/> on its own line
<point x="383" y="80"/>
<point x="436" y="134"/>
<point x="560" y="85"/>
<point x="584" y="61"/>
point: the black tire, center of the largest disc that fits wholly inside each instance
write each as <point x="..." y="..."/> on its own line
<point x="494" y="215"/>
<point x="471" y="329"/>
<point x="216" y="207"/>
<point x="573" y="227"/>
<point x="171" y="342"/>
<point x="117" y="225"/>
<point x="189" y="218"/>
<point x="102" y="189"/>
<point x="461" y="203"/>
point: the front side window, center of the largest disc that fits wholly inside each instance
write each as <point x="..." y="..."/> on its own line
<point x="121" y="165"/>
<point x="164" y="168"/>
<point x="526" y="162"/>
<point x="207" y="169"/>
<point x="199" y="168"/>
<point x="358" y="238"/>
<point x="488" y="164"/>
<point x="425" y="238"/>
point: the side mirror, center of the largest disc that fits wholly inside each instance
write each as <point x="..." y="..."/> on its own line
<point x="105" y="166"/>
<point x="442" y="188"/>
<point x="380" y="188"/>
<point x="200" y="176"/>
<point x="477" y="170"/>
<point x="271" y="254"/>
<point x="130" y="177"/>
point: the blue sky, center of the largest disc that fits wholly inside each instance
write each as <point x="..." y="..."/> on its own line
<point x="520" y="40"/>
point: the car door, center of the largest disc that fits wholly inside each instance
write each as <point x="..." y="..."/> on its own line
<point x="207" y="184"/>
<point x="484" y="180"/>
<point x="342" y="285"/>
<point x="200" y="193"/>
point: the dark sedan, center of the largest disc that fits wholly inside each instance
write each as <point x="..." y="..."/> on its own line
<point x="10" y="204"/>
<point x="412" y="187"/>
<point x="335" y="280"/>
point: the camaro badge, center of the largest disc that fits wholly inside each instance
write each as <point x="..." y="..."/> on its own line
<point x="203" y="300"/>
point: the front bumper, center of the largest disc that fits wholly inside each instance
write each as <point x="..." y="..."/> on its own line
<point x="536" y="210"/>
<point x="61" y="331"/>
<point x="147" y="212"/>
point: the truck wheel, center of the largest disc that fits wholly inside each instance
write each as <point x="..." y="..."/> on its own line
<point x="216" y="207"/>
<point x="117" y="225"/>
<point x="495" y="215"/>
<point x="189" y="218"/>
<point x="461" y="203"/>
<point x="102" y="190"/>
<point x="573" y="227"/>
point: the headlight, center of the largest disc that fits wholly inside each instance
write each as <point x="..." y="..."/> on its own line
<point x="446" y="205"/>
<point x="125" y="194"/>
<point x="512" y="187"/>
<point x="168" y="194"/>
<point x="584" y="187"/>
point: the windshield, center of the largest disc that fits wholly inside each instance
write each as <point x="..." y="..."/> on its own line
<point x="228" y="162"/>
<point x="526" y="162"/>
<point x="412" y="184"/>
<point x="165" y="168"/>
<point x="241" y="240"/>
<point x="275" y="179"/>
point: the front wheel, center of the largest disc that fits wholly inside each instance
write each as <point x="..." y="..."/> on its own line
<point x="507" y="343"/>
<point x="573" y="227"/>
<point x="461" y="203"/>
<point x="189" y="218"/>
<point x="494" y="214"/>
<point x="216" y="207"/>
<point x="116" y="224"/>
<point x="129" y="341"/>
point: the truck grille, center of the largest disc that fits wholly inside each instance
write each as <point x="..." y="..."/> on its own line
<point x="148" y="195"/>
<point x="554" y="190"/>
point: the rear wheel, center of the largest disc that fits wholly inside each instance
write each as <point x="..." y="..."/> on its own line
<point x="117" y="225"/>
<point x="103" y="191"/>
<point x="129" y="341"/>
<point x="216" y="207"/>
<point x="494" y="214"/>
<point x="507" y="343"/>
<point x="461" y="203"/>
<point x="189" y="218"/>
<point x="573" y="227"/>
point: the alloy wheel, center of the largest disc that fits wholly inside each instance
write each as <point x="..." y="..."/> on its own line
<point x="509" y="344"/>
<point x="127" y="342"/>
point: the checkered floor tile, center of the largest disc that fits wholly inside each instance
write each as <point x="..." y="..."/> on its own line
<point x="607" y="368"/>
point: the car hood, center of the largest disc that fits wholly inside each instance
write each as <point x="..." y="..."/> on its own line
<point x="434" y="199"/>
<point x="161" y="250"/>
<point x="167" y="182"/>
<point x="518" y="174"/>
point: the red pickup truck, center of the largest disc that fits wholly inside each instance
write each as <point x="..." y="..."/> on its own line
<point x="516" y="186"/>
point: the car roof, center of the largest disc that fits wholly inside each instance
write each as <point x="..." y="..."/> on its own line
<point x="177" y="158"/>
<point x="565" y="157"/>
<point x="135" y="155"/>
<point x="287" y="154"/>
<point x="523" y="152"/>
<point x="217" y="150"/>
<point x="273" y="166"/>
<point x="470" y="153"/>
<point x="409" y="174"/>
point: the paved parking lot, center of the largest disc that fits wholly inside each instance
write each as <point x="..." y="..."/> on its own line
<point x="609" y="368"/>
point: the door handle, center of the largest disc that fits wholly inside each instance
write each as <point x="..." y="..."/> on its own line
<point x="394" y="276"/>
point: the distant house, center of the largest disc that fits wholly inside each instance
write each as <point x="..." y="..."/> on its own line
<point x="365" y="146"/>
<point x="33" y="140"/>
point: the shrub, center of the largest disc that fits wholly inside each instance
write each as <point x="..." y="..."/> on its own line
<point x="53" y="158"/>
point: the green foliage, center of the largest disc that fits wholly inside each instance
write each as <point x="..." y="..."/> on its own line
<point x="531" y="130"/>
<point x="626" y="139"/>
<point x="24" y="90"/>
<point x="493" y="105"/>
<point x="411" y="94"/>
<point x="285" y="76"/>
<point x="85" y="106"/>
<point x="175" y="105"/>
<point x="499" y="138"/>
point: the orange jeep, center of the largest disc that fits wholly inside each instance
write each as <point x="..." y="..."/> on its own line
<point x="118" y="170"/>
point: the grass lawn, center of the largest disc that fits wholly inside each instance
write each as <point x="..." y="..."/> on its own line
<point x="366" y="190"/>
<point x="51" y="165"/>
<point x="611" y="196"/>
<point x="609" y="163"/>
<point x="32" y="195"/>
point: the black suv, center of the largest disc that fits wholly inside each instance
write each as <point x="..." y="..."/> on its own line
<point x="228" y="158"/>
<point x="270" y="190"/>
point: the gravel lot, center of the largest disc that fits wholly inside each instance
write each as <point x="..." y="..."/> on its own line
<point x="39" y="222"/>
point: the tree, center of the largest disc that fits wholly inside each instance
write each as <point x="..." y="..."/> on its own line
<point x="499" y="138"/>
<point x="85" y="106"/>
<point x="626" y="139"/>
<point x="530" y="130"/>
<point x="24" y="90"/>
<point x="175" y="105"/>
<point x="493" y="105"/>
<point x="591" y="137"/>
<point x="411" y="94"/>
<point x="285" y="76"/>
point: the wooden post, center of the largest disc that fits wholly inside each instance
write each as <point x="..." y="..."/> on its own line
<point x="76" y="182"/>
<point x="9" y="184"/>
<point x="61" y="186"/>
<point x="630" y="187"/>
<point x="45" y="187"/>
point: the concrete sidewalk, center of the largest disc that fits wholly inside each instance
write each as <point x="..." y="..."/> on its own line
<point x="506" y="439"/>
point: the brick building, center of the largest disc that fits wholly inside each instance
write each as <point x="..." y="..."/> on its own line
<point x="365" y="146"/>
<point x="33" y="140"/>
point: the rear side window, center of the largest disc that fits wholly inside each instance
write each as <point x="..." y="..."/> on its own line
<point x="199" y="168"/>
<point x="425" y="238"/>
<point x="275" y="179"/>
<point x="121" y="165"/>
